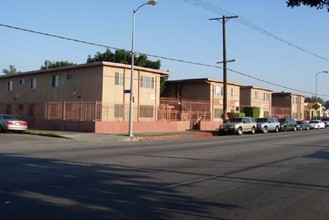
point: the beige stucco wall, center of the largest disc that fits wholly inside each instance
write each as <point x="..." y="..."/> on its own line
<point x="248" y="98"/>
<point x="81" y="87"/>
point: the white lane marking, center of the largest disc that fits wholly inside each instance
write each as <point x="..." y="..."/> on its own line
<point x="192" y="181"/>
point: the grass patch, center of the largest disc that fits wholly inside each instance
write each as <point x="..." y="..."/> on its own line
<point x="44" y="133"/>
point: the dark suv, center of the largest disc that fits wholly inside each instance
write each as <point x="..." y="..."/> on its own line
<point x="326" y="121"/>
<point x="288" y="124"/>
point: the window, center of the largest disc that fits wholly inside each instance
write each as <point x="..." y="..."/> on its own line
<point x="218" y="90"/>
<point x="22" y="82"/>
<point x="55" y="81"/>
<point x="146" y="111"/>
<point x="10" y="85"/>
<point x="118" y="110"/>
<point x="232" y="92"/>
<point x="266" y="96"/>
<point x="147" y="82"/>
<point x="218" y="113"/>
<point x="256" y="95"/>
<point x="69" y="76"/>
<point x="119" y="79"/>
<point x="33" y="83"/>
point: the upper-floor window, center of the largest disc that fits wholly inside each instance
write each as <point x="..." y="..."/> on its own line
<point x="22" y="82"/>
<point x="55" y="81"/>
<point x="33" y="83"/>
<point x="147" y="82"/>
<point x="119" y="79"/>
<point x="232" y="92"/>
<point x="266" y="96"/>
<point x="10" y="85"/>
<point x="218" y="90"/>
<point x="256" y="95"/>
<point x="69" y="76"/>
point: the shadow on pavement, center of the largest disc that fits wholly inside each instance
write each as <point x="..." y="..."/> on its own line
<point x="36" y="188"/>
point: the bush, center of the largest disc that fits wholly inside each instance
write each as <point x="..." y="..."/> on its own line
<point x="252" y="111"/>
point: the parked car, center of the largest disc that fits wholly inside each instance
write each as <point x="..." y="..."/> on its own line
<point x="288" y="124"/>
<point x="326" y="121"/>
<point x="302" y="125"/>
<point x="239" y="126"/>
<point x="267" y="124"/>
<point x="317" y="124"/>
<point x="12" y="123"/>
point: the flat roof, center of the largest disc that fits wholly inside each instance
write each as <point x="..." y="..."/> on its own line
<point x="201" y="79"/>
<point x="86" y="65"/>
<point x="255" y="87"/>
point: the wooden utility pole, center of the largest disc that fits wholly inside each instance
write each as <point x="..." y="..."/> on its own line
<point x="225" y="61"/>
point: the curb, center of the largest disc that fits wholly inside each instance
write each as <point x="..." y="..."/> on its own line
<point x="166" y="137"/>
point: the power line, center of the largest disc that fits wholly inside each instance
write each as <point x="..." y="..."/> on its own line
<point x="251" y="25"/>
<point x="155" y="56"/>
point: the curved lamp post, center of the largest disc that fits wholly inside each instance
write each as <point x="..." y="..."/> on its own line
<point x="131" y="103"/>
<point x="316" y="88"/>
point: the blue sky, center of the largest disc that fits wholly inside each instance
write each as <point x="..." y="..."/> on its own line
<point x="177" y="29"/>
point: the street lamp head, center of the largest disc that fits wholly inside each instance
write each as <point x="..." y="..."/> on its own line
<point x="152" y="2"/>
<point x="325" y="71"/>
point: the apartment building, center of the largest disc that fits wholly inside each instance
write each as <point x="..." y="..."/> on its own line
<point x="88" y="93"/>
<point x="256" y="97"/>
<point x="206" y="95"/>
<point x="286" y="104"/>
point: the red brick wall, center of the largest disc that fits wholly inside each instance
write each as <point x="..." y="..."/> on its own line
<point x="142" y="126"/>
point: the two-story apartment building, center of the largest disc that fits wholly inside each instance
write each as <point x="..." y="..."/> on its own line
<point x="93" y="94"/>
<point x="256" y="97"/>
<point x="207" y="96"/>
<point x="286" y="104"/>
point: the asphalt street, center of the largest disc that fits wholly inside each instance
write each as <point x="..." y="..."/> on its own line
<point x="262" y="176"/>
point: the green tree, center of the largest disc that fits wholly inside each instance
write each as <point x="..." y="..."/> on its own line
<point x="319" y="4"/>
<point x="10" y="71"/>
<point x="313" y="99"/>
<point x="48" y="64"/>
<point x="124" y="57"/>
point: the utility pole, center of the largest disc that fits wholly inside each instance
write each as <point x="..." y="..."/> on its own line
<point x="225" y="61"/>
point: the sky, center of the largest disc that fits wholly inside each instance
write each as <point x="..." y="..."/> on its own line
<point x="273" y="46"/>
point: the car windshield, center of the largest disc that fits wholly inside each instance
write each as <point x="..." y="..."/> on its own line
<point x="282" y="120"/>
<point x="300" y="122"/>
<point x="234" y="120"/>
<point x="314" y="121"/>
<point x="261" y="120"/>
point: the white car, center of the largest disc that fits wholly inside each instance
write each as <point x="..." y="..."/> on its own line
<point x="11" y="123"/>
<point x="317" y="124"/>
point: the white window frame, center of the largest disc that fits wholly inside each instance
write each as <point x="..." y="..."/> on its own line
<point x="147" y="82"/>
<point x="10" y="85"/>
<point x="33" y="83"/>
<point x="119" y="79"/>
<point x="55" y="81"/>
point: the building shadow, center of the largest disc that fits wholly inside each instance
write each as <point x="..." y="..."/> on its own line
<point x="37" y="188"/>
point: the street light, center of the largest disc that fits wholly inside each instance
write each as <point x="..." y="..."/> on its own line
<point x="316" y="88"/>
<point x="131" y="103"/>
<point x="316" y="84"/>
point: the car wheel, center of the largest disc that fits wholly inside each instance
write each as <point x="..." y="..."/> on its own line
<point x="307" y="128"/>
<point x="318" y="127"/>
<point x="253" y="130"/>
<point x="295" y="129"/>
<point x="239" y="131"/>
<point x="284" y="129"/>
<point x="276" y="129"/>
<point x="265" y="130"/>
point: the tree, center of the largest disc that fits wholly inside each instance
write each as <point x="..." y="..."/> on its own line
<point x="326" y="104"/>
<point x="48" y="64"/>
<point x="313" y="99"/>
<point x="10" y="71"/>
<point x="124" y="57"/>
<point x="319" y="4"/>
